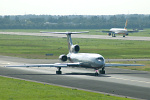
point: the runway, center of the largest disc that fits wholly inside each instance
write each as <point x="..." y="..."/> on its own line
<point x="127" y="83"/>
<point x="81" y="36"/>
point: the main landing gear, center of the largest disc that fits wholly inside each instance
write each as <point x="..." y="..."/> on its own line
<point x="97" y="72"/>
<point x="113" y="35"/>
<point x="59" y="70"/>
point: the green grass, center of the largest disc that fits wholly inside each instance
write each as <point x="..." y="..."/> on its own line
<point x="14" y="89"/>
<point x="36" y="47"/>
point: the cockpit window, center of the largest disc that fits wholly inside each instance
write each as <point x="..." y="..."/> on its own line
<point x="100" y="59"/>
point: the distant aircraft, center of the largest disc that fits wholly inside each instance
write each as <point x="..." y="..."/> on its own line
<point x="85" y="60"/>
<point x="123" y="31"/>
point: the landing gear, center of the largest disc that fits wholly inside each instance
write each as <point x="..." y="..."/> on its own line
<point x="123" y="35"/>
<point x="96" y="72"/>
<point x="100" y="71"/>
<point x="59" y="71"/>
<point x="113" y="35"/>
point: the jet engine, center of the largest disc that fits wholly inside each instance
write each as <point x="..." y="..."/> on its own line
<point x="63" y="57"/>
<point x="108" y="34"/>
<point x="75" y="48"/>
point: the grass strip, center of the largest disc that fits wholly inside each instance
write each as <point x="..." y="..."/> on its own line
<point x="14" y="89"/>
<point x="37" y="47"/>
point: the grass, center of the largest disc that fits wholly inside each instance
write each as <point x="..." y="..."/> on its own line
<point x="14" y="89"/>
<point x="37" y="47"/>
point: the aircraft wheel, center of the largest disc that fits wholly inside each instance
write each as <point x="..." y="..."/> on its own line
<point x="102" y="71"/>
<point x="96" y="74"/>
<point x="124" y="36"/>
<point x="58" y="72"/>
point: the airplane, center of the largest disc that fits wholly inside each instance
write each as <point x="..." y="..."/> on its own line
<point x="84" y="60"/>
<point x="123" y="31"/>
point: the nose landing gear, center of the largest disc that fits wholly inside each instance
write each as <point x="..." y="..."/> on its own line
<point x="97" y="72"/>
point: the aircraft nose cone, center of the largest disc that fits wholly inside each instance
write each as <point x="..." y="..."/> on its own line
<point x="101" y="61"/>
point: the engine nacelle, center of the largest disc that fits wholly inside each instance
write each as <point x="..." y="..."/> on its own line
<point x="75" y="48"/>
<point x="108" y="34"/>
<point x="63" y="57"/>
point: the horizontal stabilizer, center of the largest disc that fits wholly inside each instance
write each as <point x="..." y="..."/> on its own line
<point x="65" y="32"/>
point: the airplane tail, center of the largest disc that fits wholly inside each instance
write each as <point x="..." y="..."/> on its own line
<point x="126" y="24"/>
<point x="69" y="40"/>
<point x="72" y="48"/>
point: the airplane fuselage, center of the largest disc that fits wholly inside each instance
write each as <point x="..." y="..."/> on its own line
<point x="119" y="30"/>
<point x="87" y="60"/>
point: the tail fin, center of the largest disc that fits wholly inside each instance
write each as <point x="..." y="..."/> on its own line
<point x="126" y="24"/>
<point x="69" y="39"/>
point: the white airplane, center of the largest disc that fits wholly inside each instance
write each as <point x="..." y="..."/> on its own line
<point x="85" y="60"/>
<point x="122" y="31"/>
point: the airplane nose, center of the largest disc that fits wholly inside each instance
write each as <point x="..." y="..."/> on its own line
<point x="101" y="61"/>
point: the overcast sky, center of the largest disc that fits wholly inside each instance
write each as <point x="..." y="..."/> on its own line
<point x="74" y="7"/>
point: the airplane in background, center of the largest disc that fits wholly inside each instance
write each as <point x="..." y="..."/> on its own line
<point x="123" y="31"/>
<point x="85" y="60"/>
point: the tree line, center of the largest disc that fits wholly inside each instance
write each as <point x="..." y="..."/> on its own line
<point x="135" y="21"/>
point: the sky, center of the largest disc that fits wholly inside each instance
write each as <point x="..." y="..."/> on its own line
<point x="74" y="7"/>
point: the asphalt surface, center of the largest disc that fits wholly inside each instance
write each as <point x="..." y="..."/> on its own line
<point x="81" y="36"/>
<point x="126" y="83"/>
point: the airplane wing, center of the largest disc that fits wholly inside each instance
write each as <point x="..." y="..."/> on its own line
<point x="48" y="65"/>
<point x="106" y="31"/>
<point x="111" y="65"/>
<point x="132" y="31"/>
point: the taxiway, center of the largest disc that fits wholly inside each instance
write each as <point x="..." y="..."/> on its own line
<point x="80" y="36"/>
<point x="122" y="82"/>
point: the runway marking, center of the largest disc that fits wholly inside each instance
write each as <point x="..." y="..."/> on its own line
<point x="131" y="80"/>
